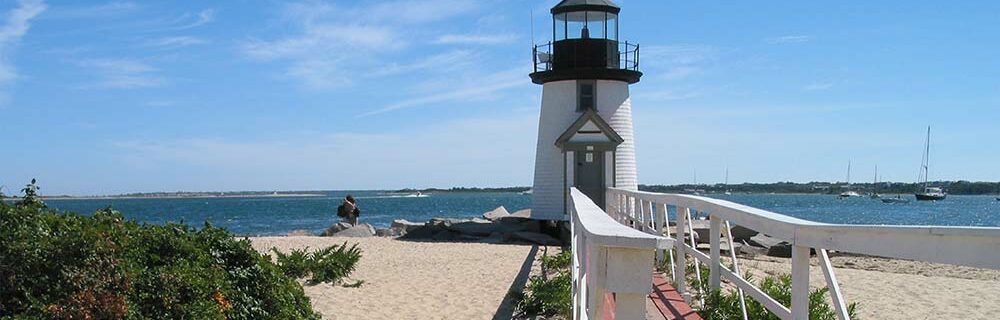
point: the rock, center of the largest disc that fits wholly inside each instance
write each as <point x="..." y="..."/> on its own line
<point x="702" y="228"/>
<point x="782" y="249"/>
<point x="742" y="234"/>
<point x="762" y="241"/>
<point x="338" y="227"/>
<point x="473" y="228"/>
<point x="443" y="236"/>
<point x="723" y="246"/>
<point x="402" y="226"/>
<point x="386" y="232"/>
<point x="496" y="214"/>
<point x="495" y="237"/>
<point x="524" y="214"/>
<point x="536" y="238"/>
<point x="358" y="231"/>
<point x="300" y="233"/>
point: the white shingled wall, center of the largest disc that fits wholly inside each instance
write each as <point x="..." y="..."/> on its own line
<point x="558" y="112"/>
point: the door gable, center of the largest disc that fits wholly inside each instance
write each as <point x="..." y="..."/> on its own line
<point x="590" y="130"/>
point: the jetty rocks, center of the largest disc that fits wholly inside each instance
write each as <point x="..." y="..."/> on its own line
<point x="496" y="226"/>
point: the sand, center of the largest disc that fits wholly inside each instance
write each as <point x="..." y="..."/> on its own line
<point x="415" y="280"/>
<point x="900" y="289"/>
<point x="428" y="280"/>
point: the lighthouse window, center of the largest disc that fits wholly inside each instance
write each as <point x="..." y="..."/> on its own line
<point x="585" y="95"/>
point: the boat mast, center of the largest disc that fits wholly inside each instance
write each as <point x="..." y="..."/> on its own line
<point x="926" y="163"/>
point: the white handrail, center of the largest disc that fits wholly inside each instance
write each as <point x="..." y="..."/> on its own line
<point x="967" y="246"/>
<point x="609" y="257"/>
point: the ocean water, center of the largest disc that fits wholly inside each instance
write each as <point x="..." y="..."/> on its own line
<point x="279" y="215"/>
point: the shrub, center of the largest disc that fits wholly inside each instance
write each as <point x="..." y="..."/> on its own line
<point x="549" y="294"/>
<point x="329" y="265"/>
<point x="721" y="305"/>
<point x="68" y="266"/>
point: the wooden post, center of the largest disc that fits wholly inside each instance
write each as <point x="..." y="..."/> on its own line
<point x="800" y="282"/>
<point x="664" y="228"/>
<point x="629" y="275"/>
<point x="714" y="277"/>
<point x="680" y="280"/>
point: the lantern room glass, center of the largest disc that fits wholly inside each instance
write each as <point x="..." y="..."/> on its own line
<point x="585" y="25"/>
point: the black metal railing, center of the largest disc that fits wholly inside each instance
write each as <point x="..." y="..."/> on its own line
<point x="625" y="57"/>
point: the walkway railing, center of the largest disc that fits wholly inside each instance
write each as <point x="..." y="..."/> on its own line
<point x="615" y="251"/>
<point x="609" y="257"/>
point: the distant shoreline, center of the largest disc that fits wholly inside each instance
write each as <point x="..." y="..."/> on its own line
<point x="205" y="196"/>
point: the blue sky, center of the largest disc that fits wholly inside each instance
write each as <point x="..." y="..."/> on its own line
<point x="105" y="97"/>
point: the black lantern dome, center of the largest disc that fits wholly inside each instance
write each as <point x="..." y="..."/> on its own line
<point x="585" y="45"/>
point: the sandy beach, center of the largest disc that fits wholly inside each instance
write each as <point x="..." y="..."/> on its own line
<point x="415" y="280"/>
<point x="902" y="289"/>
<point x="445" y="280"/>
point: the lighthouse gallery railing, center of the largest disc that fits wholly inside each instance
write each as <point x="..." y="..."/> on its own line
<point x="609" y="257"/>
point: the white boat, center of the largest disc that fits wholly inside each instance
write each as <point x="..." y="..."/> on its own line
<point x="728" y="193"/>
<point x="929" y="193"/>
<point x="897" y="199"/>
<point x="849" y="193"/>
<point x="526" y="192"/>
<point x="874" y="194"/>
<point x="416" y="195"/>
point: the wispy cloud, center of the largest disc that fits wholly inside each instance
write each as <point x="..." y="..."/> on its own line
<point x="475" y="39"/>
<point x="819" y="86"/>
<point x="186" y="21"/>
<point x="335" y="44"/>
<point x="14" y="28"/>
<point x="174" y="42"/>
<point x="488" y="86"/>
<point x="789" y="39"/>
<point x="92" y="11"/>
<point x="678" y="62"/>
<point x="122" y="73"/>
<point x="443" y="62"/>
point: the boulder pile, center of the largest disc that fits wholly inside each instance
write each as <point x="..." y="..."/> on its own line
<point x="496" y="226"/>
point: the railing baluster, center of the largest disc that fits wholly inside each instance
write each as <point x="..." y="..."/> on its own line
<point x="736" y="268"/>
<point x="831" y="283"/>
<point x="697" y="265"/>
<point x="664" y="228"/>
<point x="680" y="280"/>
<point x="800" y="282"/>
<point x="715" y="224"/>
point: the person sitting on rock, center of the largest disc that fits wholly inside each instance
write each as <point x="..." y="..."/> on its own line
<point x="348" y="211"/>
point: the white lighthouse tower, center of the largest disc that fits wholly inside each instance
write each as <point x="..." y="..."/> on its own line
<point x="585" y="126"/>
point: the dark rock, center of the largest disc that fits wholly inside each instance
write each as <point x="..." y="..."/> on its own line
<point x="361" y="230"/>
<point x="473" y="228"/>
<point x="496" y="214"/>
<point x="386" y="232"/>
<point x="723" y="246"/>
<point x="781" y="249"/>
<point x="338" y="227"/>
<point x="402" y="226"/>
<point x="536" y="238"/>
<point x="443" y="236"/>
<point x="742" y="234"/>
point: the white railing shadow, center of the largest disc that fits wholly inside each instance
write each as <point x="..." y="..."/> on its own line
<point x="647" y="212"/>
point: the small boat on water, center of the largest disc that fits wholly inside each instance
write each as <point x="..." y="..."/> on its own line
<point x="849" y="193"/>
<point x="929" y="193"/>
<point x="874" y="194"/>
<point x="897" y="199"/>
<point x="416" y="195"/>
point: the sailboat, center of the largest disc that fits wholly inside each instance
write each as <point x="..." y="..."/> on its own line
<point x="728" y="193"/>
<point x="849" y="193"/>
<point x="874" y="194"/>
<point x="929" y="193"/>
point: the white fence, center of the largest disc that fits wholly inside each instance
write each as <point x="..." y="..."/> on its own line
<point x="615" y="251"/>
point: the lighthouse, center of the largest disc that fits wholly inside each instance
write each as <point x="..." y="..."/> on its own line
<point x="585" y="135"/>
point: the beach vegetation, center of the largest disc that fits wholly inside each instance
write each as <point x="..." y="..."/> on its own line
<point x="330" y="265"/>
<point x="56" y="265"/>
<point x="548" y="294"/>
<point x="724" y="304"/>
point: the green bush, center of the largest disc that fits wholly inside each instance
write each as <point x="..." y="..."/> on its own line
<point x="721" y="305"/>
<point x="68" y="266"/>
<point x="330" y="265"/>
<point x="548" y="294"/>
